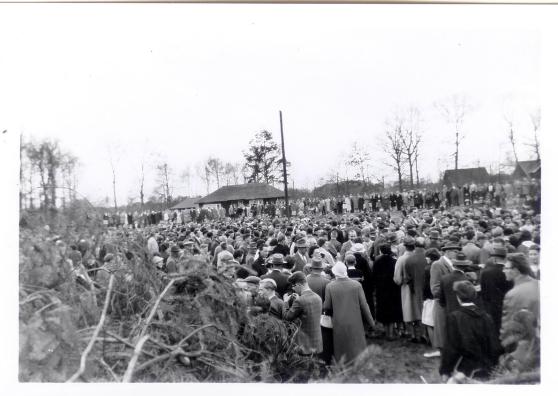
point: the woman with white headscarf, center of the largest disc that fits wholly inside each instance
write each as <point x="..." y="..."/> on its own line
<point x="345" y="302"/>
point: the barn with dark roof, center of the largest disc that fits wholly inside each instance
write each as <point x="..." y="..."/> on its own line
<point x="459" y="177"/>
<point x="528" y="169"/>
<point x="244" y="193"/>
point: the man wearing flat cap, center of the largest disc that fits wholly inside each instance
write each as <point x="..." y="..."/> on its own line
<point x="266" y="288"/>
<point x="438" y="270"/>
<point x="281" y="280"/>
<point x="301" y="256"/>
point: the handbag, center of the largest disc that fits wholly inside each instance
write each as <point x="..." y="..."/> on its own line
<point x="428" y="313"/>
<point x="325" y="321"/>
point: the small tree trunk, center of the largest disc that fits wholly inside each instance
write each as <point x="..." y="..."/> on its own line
<point x="456" y="149"/>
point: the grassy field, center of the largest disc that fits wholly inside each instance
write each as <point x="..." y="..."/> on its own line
<point x="401" y="361"/>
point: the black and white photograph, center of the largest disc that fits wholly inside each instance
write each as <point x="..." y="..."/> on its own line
<point x="277" y="194"/>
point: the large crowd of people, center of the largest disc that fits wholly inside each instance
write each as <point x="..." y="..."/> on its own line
<point x="456" y="271"/>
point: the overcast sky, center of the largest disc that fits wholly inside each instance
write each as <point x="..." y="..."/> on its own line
<point x="183" y="82"/>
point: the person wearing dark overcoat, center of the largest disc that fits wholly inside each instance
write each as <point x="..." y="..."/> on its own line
<point x="388" y="293"/>
<point x="345" y="302"/>
<point x="472" y="346"/>
<point x="494" y="285"/>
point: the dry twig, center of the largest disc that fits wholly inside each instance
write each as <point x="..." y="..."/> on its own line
<point x="83" y="359"/>
<point x="154" y="309"/>
<point x="130" y="370"/>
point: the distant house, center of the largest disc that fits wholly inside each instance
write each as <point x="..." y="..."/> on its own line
<point x="529" y="169"/>
<point x="186" y="204"/>
<point x="459" y="177"/>
<point x="244" y="193"/>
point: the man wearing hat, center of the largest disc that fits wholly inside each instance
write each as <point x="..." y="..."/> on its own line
<point x="434" y="240"/>
<point x="346" y="247"/>
<point x="411" y="312"/>
<point x="447" y="296"/>
<point x="301" y="256"/>
<point x="305" y="305"/>
<point x="438" y="270"/>
<point x="266" y="288"/>
<point x="472" y="346"/>
<point x="494" y="285"/>
<point x="281" y="280"/>
<point x="172" y="261"/>
<point x="316" y="281"/>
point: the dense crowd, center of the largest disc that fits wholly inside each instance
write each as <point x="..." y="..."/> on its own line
<point x="459" y="276"/>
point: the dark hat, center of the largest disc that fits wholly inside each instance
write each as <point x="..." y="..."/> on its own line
<point x="408" y="241"/>
<point x="301" y="243"/>
<point x="252" y="279"/>
<point x="316" y="262"/>
<point x="175" y="249"/>
<point x="461" y="260"/>
<point x="276" y="259"/>
<point x="451" y="246"/>
<point x="297" y="277"/>
<point x="392" y="238"/>
<point x="499" y="252"/>
<point x="434" y="234"/>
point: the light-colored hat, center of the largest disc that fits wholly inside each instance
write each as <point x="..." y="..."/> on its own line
<point x="358" y="248"/>
<point x="339" y="270"/>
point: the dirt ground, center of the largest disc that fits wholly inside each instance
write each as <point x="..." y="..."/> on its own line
<point x="401" y="361"/>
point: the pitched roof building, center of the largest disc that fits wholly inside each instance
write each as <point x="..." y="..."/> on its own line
<point x="529" y="169"/>
<point x="242" y="192"/>
<point x="188" y="203"/>
<point x="459" y="177"/>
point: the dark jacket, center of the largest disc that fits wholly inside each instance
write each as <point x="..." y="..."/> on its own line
<point x="259" y="266"/>
<point x="448" y="299"/>
<point x="280" y="279"/>
<point x="494" y="287"/>
<point x="471" y="337"/>
<point x="280" y="248"/>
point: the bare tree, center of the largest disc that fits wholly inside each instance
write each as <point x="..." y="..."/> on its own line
<point x="112" y="152"/>
<point x="205" y="174"/>
<point x="511" y="134"/>
<point x="233" y="173"/>
<point x="535" y="117"/>
<point x="164" y="187"/>
<point x="55" y="168"/>
<point x="394" y="147"/>
<point x="186" y="177"/>
<point x="68" y="166"/>
<point x="358" y="159"/>
<point x="411" y="138"/>
<point x="142" y="182"/>
<point x="454" y="109"/>
<point x="216" y="168"/>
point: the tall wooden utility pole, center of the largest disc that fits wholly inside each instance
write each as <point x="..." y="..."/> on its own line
<point x="285" y="183"/>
